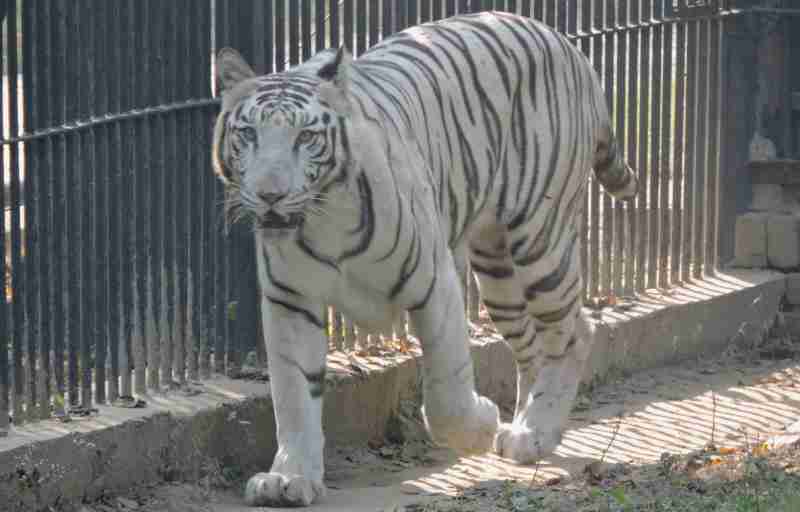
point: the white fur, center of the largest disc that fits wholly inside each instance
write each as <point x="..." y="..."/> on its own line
<point x="401" y="164"/>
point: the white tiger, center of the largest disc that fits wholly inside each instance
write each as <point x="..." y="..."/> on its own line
<point x="366" y="181"/>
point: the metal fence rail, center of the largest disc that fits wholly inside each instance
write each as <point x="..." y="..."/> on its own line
<point x="118" y="278"/>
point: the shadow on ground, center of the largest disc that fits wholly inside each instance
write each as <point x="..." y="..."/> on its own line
<point x="628" y="424"/>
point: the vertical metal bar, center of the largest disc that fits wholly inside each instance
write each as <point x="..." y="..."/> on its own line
<point x="222" y="23"/>
<point x="125" y="135"/>
<point x="221" y="296"/>
<point x="361" y="27"/>
<point x="701" y="150"/>
<point x="31" y="175"/>
<point x="585" y="44"/>
<point x="142" y="171"/>
<point x="450" y="8"/>
<point x="594" y="188"/>
<point x="375" y="15"/>
<point x="204" y="275"/>
<point x="192" y="189"/>
<point x="437" y="9"/>
<point x="655" y="156"/>
<point x="632" y="263"/>
<point x="87" y="194"/>
<point x="665" y="232"/>
<point x="5" y="381"/>
<point x="267" y="38"/>
<point x="690" y="169"/>
<point x="158" y="334"/>
<point x="608" y="206"/>
<point x="571" y="18"/>
<point x="347" y="22"/>
<point x="280" y="34"/>
<point x="412" y="14"/>
<point x="30" y="187"/>
<point x="550" y="12"/>
<point x="644" y="154"/>
<point x="387" y="19"/>
<point x="621" y="82"/>
<point x="55" y="165"/>
<point x="99" y="213"/>
<point x="305" y="12"/>
<point x="171" y="168"/>
<point x="336" y="330"/>
<point x="425" y="11"/>
<point x="138" y="147"/>
<point x="526" y="7"/>
<point x="184" y="68"/>
<point x="71" y="162"/>
<point x="199" y="220"/>
<point x="691" y="141"/>
<point x="294" y="33"/>
<point x="399" y="328"/>
<point x="400" y="15"/>
<point x="320" y="23"/>
<point x="44" y="67"/>
<point x="335" y="24"/>
<point x="714" y="155"/>
<point x="561" y="16"/>
<point x="351" y="337"/>
<point x="678" y="153"/>
<point x="538" y="10"/>
<point x="114" y="36"/>
<point x="701" y="207"/>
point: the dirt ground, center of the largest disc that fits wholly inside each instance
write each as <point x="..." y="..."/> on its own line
<point x="679" y="436"/>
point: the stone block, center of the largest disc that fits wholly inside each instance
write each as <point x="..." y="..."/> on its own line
<point x="751" y="240"/>
<point x="783" y="241"/>
<point x="767" y="197"/>
<point x="793" y="289"/>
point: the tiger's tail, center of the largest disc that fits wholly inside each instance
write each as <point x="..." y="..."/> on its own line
<point x="611" y="170"/>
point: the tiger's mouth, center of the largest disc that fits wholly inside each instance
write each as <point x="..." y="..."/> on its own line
<point x="274" y="221"/>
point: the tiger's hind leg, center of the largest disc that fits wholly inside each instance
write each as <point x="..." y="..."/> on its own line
<point x="550" y="344"/>
<point x="503" y="296"/>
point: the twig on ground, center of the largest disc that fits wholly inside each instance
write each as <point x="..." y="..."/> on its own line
<point x="617" y="426"/>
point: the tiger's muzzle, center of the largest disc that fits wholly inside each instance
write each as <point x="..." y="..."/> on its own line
<point x="272" y="220"/>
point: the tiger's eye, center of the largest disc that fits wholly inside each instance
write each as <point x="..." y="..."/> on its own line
<point x="305" y="137"/>
<point x="248" y="133"/>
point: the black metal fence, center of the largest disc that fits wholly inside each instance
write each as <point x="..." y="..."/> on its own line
<point x="118" y="278"/>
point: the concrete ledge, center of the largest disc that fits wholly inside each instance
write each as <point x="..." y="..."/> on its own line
<point x="230" y="423"/>
<point x="697" y="319"/>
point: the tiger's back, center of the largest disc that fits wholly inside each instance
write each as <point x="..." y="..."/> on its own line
<point x="499" y="106"/>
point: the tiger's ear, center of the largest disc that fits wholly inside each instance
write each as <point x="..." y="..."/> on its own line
<point x="232" y="69"/>
<point x="336" y="81"/>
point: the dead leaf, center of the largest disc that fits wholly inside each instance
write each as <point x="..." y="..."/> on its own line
<point x="760" y="450"/>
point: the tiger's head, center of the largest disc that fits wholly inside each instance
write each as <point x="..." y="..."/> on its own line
<point x="278" y="140"/>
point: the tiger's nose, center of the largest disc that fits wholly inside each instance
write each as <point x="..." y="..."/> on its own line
<point x="270" y="197"/>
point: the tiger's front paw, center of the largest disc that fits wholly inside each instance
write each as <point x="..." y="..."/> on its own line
<point x="469" y="434"/>
<point x="278" y="490"/>
<point x="524" y="445"/>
